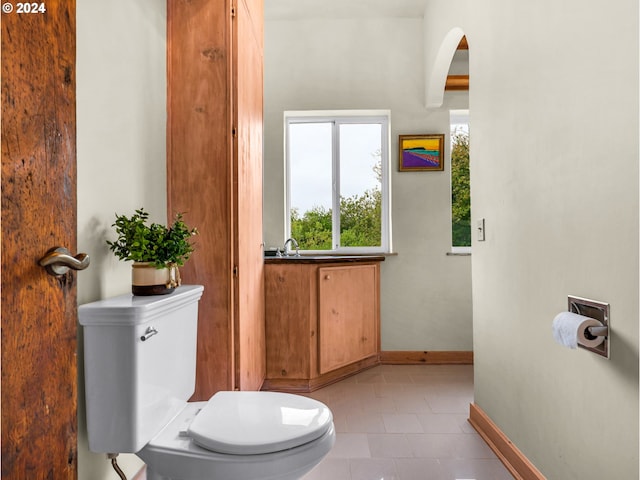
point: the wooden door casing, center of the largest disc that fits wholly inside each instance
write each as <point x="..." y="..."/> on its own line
<point x="39" y="371"/>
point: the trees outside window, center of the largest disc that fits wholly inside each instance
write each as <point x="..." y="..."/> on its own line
<point x="460" y="182"/>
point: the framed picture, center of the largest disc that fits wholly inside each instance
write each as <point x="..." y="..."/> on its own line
<point x="421" y="152"/>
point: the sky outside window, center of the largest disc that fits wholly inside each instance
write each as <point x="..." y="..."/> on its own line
<point x="310" y="161"/>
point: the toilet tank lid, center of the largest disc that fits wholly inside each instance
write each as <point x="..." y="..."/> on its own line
<point x="129" y="309"/>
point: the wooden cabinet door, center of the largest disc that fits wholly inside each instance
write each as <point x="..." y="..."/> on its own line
<point x="290" y="306"/>
<point x="348" y="306"/>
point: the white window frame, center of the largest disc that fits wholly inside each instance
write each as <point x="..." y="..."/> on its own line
<point x="338" y="118"/>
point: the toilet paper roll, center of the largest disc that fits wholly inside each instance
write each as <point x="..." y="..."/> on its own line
<point x="569" y="330"/>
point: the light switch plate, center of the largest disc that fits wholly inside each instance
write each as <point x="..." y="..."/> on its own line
<point x="480" y="229"/>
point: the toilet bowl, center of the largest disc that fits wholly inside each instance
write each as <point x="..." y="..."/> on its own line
<point x="140" y="372"/>
<point x="264" y="446"/>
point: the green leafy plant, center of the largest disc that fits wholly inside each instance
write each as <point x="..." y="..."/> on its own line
<point x="155" y="243"/>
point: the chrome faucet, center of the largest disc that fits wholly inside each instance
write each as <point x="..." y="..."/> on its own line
<point x="286" y="247"/>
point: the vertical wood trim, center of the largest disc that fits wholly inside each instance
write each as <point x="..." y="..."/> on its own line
<point x="313" y="329"/>
<point x="377" y="312"/>
<point x="234" y="338"/>
<point x="512" y="458"/>
<point x="231" y="133"/>
<point x="248" y="247"/>
<point x="38" y="311"/>
<point x="170" y="100"/>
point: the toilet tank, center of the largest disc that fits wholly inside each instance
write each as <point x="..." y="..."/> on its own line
<point x="139" y="365"/>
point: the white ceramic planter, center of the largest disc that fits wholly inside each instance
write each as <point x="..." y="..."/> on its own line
<point x="146" y="279"/>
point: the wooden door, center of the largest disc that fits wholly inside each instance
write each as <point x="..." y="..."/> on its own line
<point x="39" y="386"/>
<point x="348" y="315"/>
<point x="249" y="325"/>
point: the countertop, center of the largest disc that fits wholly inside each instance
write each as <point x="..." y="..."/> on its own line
<point x="324" y="259"/>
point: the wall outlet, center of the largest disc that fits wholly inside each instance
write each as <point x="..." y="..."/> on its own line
<point x="480" y="230"/>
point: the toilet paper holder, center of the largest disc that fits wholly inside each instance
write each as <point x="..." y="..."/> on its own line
<point x="597" y="310"/>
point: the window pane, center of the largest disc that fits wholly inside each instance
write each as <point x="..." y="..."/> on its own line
<point x="360" y="185"/>
<point x="460" y="186"/>
<point x="310" y="183"/>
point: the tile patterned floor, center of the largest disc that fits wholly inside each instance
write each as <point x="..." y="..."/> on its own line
<point x="406" y="422"/>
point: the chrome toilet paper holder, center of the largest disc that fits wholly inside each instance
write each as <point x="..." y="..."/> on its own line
<point x="597" y="310"/>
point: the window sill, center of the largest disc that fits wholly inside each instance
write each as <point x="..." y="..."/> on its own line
<point x="458" y="254"/>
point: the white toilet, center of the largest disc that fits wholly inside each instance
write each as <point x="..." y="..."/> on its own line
<point x="140" y="358"/>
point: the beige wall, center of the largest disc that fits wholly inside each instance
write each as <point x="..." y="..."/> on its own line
<point x="121" y="116"/>
<point x="376" y="63"/>
<point x="554" y="143"/>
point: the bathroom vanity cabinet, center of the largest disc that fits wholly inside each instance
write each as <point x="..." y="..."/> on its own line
<point x="322" y="320"/>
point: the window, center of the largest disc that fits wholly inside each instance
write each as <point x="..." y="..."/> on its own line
<point x="338" y="181"/>
<point x="460" y="185"/>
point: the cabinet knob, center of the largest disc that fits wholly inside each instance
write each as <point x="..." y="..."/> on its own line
<point x="327" y="277"/>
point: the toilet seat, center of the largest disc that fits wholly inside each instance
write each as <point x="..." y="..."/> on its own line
<point x="174" y="454"/>
<point x="253" y="423"/>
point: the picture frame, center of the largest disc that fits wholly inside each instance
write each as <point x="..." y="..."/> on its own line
<point x="421" y="152"/>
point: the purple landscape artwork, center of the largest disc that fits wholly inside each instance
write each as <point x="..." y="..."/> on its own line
<point x="421" y="152"/>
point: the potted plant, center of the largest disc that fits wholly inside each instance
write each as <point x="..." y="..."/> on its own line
<point x="156" y="250"/>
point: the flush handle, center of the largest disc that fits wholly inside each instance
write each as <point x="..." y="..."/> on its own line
<point x="59" y="260"/>
<point x="149" y="332"/>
